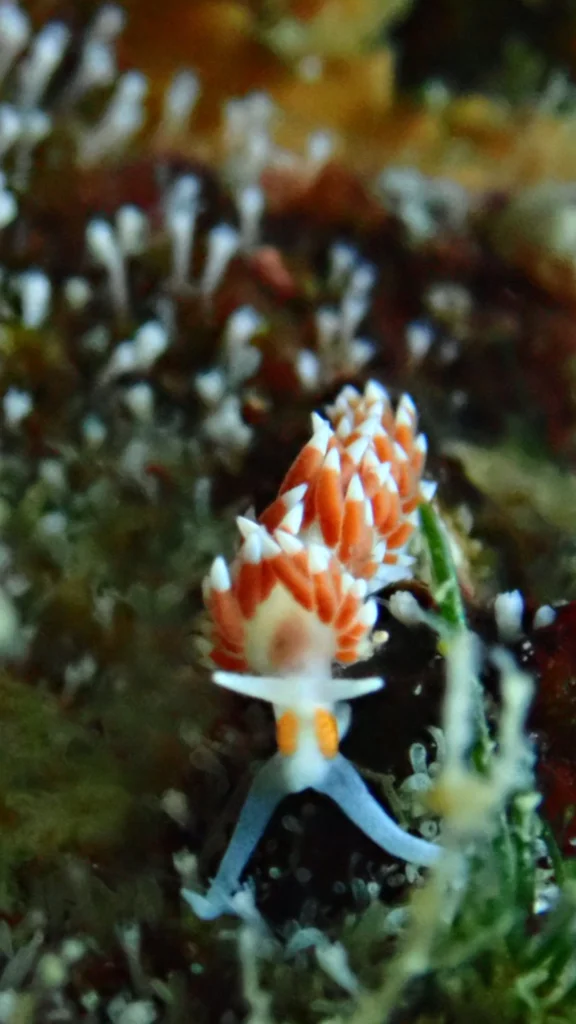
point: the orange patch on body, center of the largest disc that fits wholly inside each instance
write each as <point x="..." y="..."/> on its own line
<point x="326" y="733"/>
<point x="287" y="733"/>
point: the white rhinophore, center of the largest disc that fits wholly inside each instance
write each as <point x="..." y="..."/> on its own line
<point x="35" y="293"/>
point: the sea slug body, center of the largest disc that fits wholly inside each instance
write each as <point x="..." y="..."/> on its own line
<point x="296" y="601"/>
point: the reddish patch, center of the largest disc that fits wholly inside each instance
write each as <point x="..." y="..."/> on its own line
<point x="554" y="715"/>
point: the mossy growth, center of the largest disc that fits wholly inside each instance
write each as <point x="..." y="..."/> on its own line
<point x="59" y="790"/>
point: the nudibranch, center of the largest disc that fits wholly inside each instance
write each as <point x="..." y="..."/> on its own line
<point x="296" y="602"/>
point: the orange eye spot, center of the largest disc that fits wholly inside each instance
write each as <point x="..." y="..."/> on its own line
<point x="326" y="733"/>
<point x="287" y="733"/>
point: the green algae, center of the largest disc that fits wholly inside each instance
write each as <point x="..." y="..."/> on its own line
<point x="59" y="789"/>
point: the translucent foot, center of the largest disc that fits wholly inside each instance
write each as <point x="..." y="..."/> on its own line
<point x="266" y="792"/>
<point x="345" y="787"/>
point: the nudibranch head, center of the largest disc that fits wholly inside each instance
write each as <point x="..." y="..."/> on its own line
<point x="286" y="608"/>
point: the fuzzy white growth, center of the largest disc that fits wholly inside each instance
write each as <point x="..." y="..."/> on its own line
<point x="242" y="359"/>
<point x="139" y="399"/>
<point x="96" y="69"/>
<point x="17" y="405"/>
<point x="53" y="525"/>
<point x="461" y="700"/>
<point x="250" y="201"/>
<point x="123" y="360"/>
<point x="132" y="230"/>
<point x="341" y="260"/>
<point x="308" y="369"/>
<point x="8" y="623"/>
<point x="508" y="610"/>
<point x="52" y="473"/>
<point x="247" y="137"/>
<point x="10" y="126"/>
<point x="151" y="341"/>
<point x="182" y="206"/>
<point x="139" y="355"/>
<point x="14" y="35"/>
<point x="404" y="607"/>
<point x="8" y="204"/>
<point x="544" y="616"/>
<point x="120" y="122"/>
<point x="94" y="431"/>
<point x="225" y="426"/>
<point x="36" y="293"/>
<point x="108" y="23"/>
<point x="362" y="280"/>
<point x="353" y="309"/>
<point x="180" y="100"/>
<point x="77" y="292"/>
<point x="419" y="338"/>
<point x="423" y="204"/>
<point x="327" y="324"/>
<point x="222" y="244"/>
<point x="104" y="249"/>
<point x="210" y="386"/>
<point x="34" y="126"/>
<point x="512" y="768"/>
<point x="36" y="70"/>
<point x="320" y="148"/>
